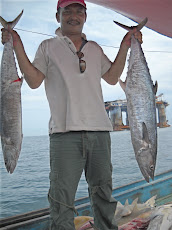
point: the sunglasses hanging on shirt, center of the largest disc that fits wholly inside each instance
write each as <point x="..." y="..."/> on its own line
<point x="82" y="63"/>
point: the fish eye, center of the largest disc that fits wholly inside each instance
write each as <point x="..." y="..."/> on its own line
<point x="140" y="150"/>
<point x="152" y="167"/>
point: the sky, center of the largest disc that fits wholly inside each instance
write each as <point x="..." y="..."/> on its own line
<point x="40" y="23"/>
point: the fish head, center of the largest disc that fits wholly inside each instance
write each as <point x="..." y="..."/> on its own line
<point x="10" y="155"/>
<point x="146" y="154"/>
<point x="146" y="162"/>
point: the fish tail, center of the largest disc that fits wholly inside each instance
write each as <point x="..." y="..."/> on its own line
<point x="5" y="24"/>
<point x="142" y="24"/>
<point x="129" y="28"/>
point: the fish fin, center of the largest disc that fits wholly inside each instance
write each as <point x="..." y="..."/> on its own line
<point x="123" y="26"/>
<point x="7" y="140"/>
<point x="126" y="203"/>
<point x="5" y="24"/>
<point x="122" y="84"/>
<point x="142" y="24"/>
<point x="145" y="133"/>
<point x="155" y="87"/>
<point x="146" y="144"/>
<point x="135" y="202"/>
<point x="135" y="209"/>
<point x="151" y="202"/>
<point x="133" y="205"/>
<point x="138" y="27"/>
<point x="119" y="204"/>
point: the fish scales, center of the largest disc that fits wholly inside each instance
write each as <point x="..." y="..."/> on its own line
<point x="141" y="107"/>
<point x="11" y="110"/>
<point x="161" y="218"/>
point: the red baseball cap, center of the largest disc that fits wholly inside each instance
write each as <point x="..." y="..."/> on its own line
<point x="64" y="3"/>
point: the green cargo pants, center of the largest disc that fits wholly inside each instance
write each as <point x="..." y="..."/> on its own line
<point x="70" y="153"/>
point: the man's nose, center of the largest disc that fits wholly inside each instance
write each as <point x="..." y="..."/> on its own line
<point x="73" y="14"/>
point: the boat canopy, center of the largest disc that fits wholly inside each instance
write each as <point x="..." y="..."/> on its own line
<point x="158" y="12"/>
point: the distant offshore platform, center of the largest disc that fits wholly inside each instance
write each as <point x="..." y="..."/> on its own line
<point x="117" y="112"/>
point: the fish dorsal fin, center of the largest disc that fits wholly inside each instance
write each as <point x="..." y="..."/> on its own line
<point x="145" y="133"/>
<point x="5" y="24"/>
<point x="151" y="202"/>
<point x="127" y="210"/>
<point x="135" y="208"/>
<point x="155" y="87"/>
<point x="126" y="203"/>
<point x="119" y="205"/>
<point x="135" y="202"/>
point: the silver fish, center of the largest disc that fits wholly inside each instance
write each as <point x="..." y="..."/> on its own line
<point x="161" y="218"/>
<point x="10" y="104"/>
<point x="140" y="93"/>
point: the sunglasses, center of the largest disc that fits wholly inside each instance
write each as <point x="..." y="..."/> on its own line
<point x="82" y="63"/>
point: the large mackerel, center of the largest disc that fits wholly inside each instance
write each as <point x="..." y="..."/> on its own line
<point x="141" y="107"/>
<point x="10" y="104"/>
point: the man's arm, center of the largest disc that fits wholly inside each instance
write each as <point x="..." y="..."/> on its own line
<point x="117" y="67"/>
<point x="32" y="75"/>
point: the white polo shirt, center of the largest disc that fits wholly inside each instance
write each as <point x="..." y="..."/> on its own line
<point x="75" y="99"/>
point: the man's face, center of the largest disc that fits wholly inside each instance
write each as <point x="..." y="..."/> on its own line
<point x="72" y="19"/>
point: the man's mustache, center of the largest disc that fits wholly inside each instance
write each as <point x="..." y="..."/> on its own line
<point x="76" y="22"/>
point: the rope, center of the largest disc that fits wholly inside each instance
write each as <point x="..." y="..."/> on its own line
<point x="71" y="207"/>
<point x="115" y="47"/>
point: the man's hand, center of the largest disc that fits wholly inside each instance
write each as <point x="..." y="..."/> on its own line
<point x="6" y="35"/>
<point x="127" y="38"/>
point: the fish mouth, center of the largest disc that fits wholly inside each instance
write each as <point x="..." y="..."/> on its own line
<point x="147" y="174"/>
<point x="10" y="166"/>
<point x="10" y="157"/>
<point x="152" y="175"/>
<point x="146" y="162"/>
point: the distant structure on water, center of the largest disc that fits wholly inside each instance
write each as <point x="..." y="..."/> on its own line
<point x="117" y="112"/>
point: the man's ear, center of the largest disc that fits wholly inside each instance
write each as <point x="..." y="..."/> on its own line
<point x="58" y="17"/>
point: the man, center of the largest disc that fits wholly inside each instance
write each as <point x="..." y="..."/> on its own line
<point x="72" y="68"/>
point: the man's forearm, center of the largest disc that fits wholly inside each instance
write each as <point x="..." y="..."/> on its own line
<point x="117" y="66"/>
<point x="32" y="75"/>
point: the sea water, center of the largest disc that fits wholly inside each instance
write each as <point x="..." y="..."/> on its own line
<point x="26" y="189"/>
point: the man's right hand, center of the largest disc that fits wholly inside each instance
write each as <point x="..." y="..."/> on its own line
<point x="6" y="35"/>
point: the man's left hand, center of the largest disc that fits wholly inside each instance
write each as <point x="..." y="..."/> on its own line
<point x="127" y="38"/>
